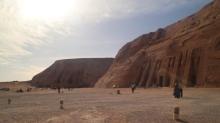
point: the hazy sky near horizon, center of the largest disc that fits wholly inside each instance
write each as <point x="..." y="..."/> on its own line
<point x="35" y="33"/>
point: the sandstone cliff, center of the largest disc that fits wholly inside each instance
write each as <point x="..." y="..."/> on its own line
<point x="187" y="52"/>
<point x="73" y="73"/>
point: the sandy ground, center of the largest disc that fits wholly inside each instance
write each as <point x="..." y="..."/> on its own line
<point x="105" y="106"/>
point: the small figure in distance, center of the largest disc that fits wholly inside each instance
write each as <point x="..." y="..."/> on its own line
<point x="19" y="91"/>
<point x="58" y="89"/>
<point x="181" y="91"/>
<point x="29" y="89"/>
<point x="9" y="101"/>
<point x="133" y="87"/>
<point x="114" y="86"/>
<point x="177" y="91"/>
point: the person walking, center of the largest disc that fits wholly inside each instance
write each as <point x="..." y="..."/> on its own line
<point x="133" y="87"/>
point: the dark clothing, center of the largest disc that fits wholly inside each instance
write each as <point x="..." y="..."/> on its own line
<point x="177" y="92"/>
<point x="181" y="92"/>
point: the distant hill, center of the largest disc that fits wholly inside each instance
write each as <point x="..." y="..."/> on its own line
<point x="73" y="73"/>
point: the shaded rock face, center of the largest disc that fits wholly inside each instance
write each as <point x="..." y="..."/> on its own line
<point x="73" y="73"/>
<point x="187" y="52"/>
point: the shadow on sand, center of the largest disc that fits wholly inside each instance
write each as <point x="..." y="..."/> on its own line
<point x="181" y="121"/>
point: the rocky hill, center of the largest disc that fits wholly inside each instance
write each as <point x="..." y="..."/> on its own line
<point x="187" y="52"/>
<point x="73" y="73"/>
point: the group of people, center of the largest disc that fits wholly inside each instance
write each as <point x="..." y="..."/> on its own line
<point x="177" y="91"/>
<point x="133" y="87"/>
<point x="21" y="90"/>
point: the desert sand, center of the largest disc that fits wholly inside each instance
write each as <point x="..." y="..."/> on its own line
<point x="91" y="105"/>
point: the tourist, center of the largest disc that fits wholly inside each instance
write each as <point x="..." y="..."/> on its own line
<point x="133" y="87"/>
<point x="180" y="90"/>
<point x="176" y="91"/>
<point x="58" y="89"/>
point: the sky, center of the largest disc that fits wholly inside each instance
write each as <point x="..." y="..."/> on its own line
<point x="35" y="33"/>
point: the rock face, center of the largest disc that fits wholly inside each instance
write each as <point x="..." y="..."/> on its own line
<point x="187" y="52"/>
<point x="73" y="73"/>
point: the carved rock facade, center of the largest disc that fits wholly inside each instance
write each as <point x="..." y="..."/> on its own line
<point x="187" y="52"/>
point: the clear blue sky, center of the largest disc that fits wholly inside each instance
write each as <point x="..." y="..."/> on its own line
<point x="35" y="33"/>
